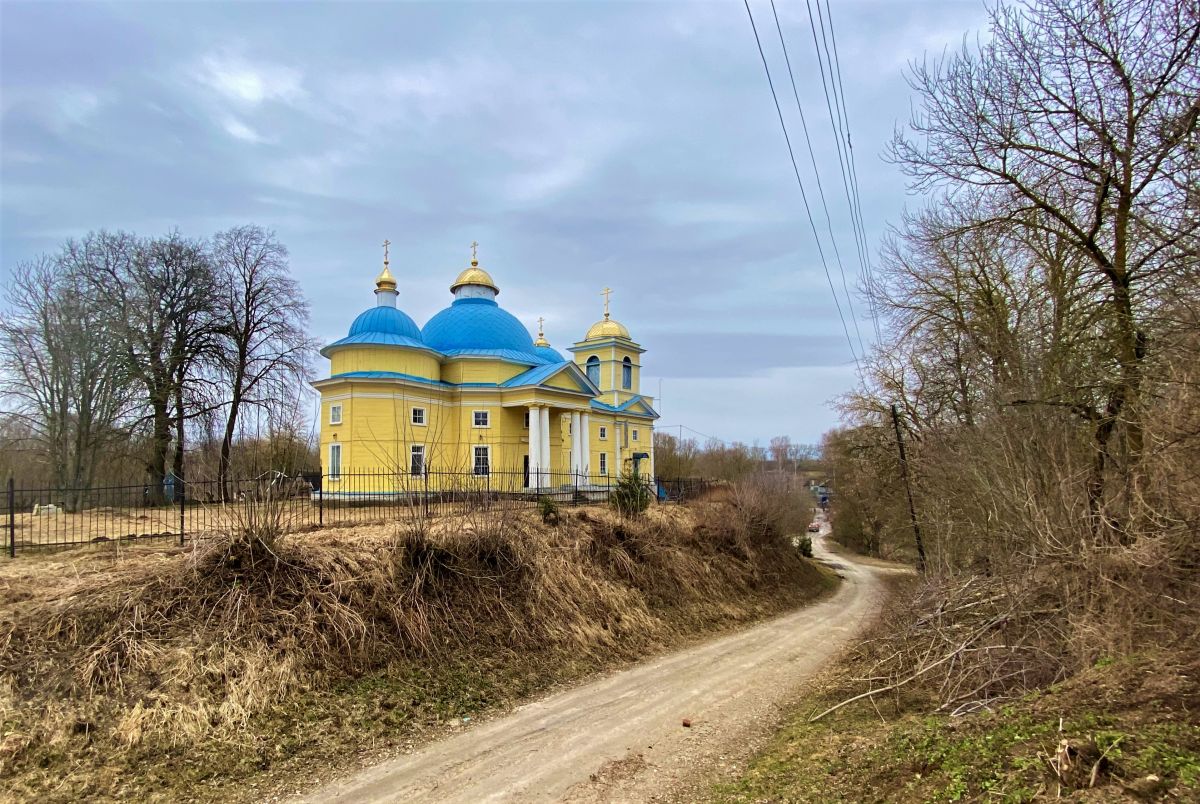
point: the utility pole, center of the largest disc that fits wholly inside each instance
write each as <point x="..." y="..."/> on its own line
<point x="912" y="510"/>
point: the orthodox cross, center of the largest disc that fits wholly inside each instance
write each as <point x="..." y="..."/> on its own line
<point x="606" y="293"/>
<point x="541" y="321"/>
<point x="386" y="243"/>
<point x="474" y="249"/>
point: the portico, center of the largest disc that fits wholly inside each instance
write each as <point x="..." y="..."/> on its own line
<point x="571" y="466"/>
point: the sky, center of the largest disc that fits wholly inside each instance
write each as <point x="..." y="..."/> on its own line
<point x="582" y="144"/>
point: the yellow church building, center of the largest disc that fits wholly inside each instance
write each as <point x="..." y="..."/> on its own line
<point x="472" y="395"/>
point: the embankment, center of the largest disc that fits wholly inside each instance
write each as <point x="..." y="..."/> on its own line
<point x="210" y="673"/>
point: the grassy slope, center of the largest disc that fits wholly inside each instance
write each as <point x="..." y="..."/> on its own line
<point x="506" y="615"/>
<point x="1136" y="721"/>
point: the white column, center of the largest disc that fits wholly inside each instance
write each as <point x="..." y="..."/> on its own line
<point x="544" y="444"/>
<point x="535" y="449"/>
<point x="585" y="433"/>
<point x="576" y="446"/>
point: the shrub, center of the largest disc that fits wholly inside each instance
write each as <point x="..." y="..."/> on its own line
<point x="631" y="497"/>
<point x="548" y="508"/>
<point x="805" y="546"/>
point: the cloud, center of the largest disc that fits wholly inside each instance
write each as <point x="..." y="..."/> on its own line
<point x="248" y="83"/>
<point x="239" y="130"/>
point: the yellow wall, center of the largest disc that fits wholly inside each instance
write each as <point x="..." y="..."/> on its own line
<point x="489" y="371"/>
<point x="612" y="358"/>
<point x="382" y="358"/>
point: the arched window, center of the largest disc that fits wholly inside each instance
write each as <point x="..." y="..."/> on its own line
<point x="593" y="369"/>
<point x="627" y="374"/>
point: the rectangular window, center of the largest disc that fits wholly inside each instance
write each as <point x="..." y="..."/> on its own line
<point x="526" y="420"/>
<point x="335" y="461"/>
<point x="479" y="418"/>
<point x="603" y="432"/>
<point x="603" y="463"/>
<point x="635" y="438"/>
<point x="335" y="414"/>
<point x="482" y="463"/>
<point x="418" y="416"/>
<point x="416" y="461"/>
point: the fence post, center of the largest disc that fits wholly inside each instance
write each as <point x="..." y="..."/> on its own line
<point x="12" y="520"/>
<point x="182" y="510"/>
<point x="321" y="503"/>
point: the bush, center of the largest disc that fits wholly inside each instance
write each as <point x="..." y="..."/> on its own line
<point x="805" y="546"/>
<point x="548" y="508"/>
<point x="631" y="497"/>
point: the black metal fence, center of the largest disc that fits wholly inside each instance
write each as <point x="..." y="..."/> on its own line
<point x="41" y="518"/>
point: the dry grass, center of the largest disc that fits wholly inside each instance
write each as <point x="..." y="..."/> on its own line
<point x="1120" y="729"/>
<point x="198" y="659"/>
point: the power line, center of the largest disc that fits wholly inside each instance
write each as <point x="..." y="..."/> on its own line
<point x="817" y="173"/>
<point x="856" y="214"/>
<point x="803" y="194"/>
<point x="682" y="427"/>
<point x="835" y="124"/>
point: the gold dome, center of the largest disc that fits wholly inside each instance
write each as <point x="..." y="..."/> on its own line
<point x="385" y="280"/>
<point x="474" y="276"/>
<point x="541" y="338"/>
<point x="607" y="328"/>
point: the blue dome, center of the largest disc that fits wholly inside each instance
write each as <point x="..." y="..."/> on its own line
<point x="479" y="325"/>
<point x="385" y="321"/>
<point x="549" y="353"/>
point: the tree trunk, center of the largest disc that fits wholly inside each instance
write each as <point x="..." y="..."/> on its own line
<point x="156" y="467"/>
<point x="227" y="449"/>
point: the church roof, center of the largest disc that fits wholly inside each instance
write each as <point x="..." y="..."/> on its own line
<point x="385" y="326"/>
<point x="629" y="407"/>
<point x="607" y="328"/>
<point x="480" y="326"/>
<point x="474" y="276"/>
<point x="386" y="321"/>
<point x="539" y="374"/>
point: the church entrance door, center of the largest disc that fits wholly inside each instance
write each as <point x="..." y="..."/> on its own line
<point x="526" y="461"/>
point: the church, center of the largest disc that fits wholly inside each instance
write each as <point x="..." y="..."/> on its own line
<point x="472" y="395"/>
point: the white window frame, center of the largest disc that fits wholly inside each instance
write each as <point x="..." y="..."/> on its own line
<point x="627" y="374"/>
<point x="635" y="435"/>
<point x="603" y="432"/>
<point x="487" y="455"/>
<point x="413" y="417"/>
<point x="413" y="451"/>
<point x="487" y="419"/>
<point x="603" y="463"/>
<point x="335" y="413"/>
<point x="335" y="463"/>
<point x="593" y="360"/>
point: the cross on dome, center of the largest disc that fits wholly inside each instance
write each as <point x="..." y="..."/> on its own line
<point x="607" y="327"/>
<point x="385" y="283"/>
<point x="477" y="282"/>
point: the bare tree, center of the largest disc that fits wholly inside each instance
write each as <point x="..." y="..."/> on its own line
<point x="780" y="449"/>
<point x="158" y="304"/>
<point x="67" y="379"/>
<point x="264" y="345"/>
<point x="1074" y="121"/>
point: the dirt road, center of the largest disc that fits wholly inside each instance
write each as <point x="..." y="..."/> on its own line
<point x="622" y="738"/>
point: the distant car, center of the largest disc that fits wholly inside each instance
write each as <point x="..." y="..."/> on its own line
<point x="814" y="528"/>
